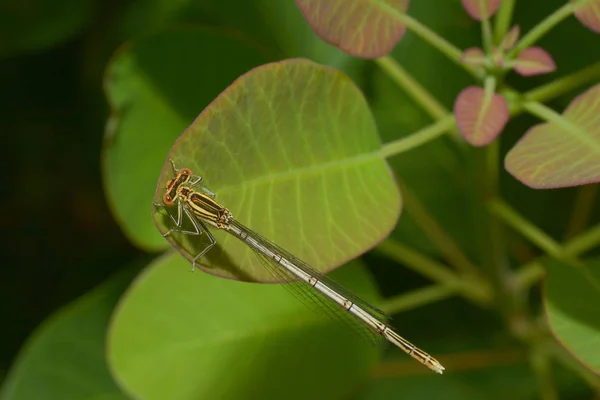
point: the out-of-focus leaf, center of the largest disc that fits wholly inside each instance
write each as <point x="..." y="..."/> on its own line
<point x="571" y="299"/>
<point x="511" y="37"/>
<point x="477" y="9"/>
<point x="179" y="335"/>
<point x="473" y="56"/>
<point x="28" y="26"/>
<point x="292" y="150"/>
<point x="65" y="358"/>
<point x="480" y="117"/>
<point x="363" y="28"/>
<point x="534" y="61"/>
<point x="156" y="88"/>
<point x="588" y="13"/>
<point x="552" y="155"/>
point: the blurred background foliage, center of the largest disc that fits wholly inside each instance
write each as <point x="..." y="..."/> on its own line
<point x="61" y="241"/>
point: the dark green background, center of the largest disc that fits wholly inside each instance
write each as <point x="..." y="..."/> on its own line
<point x="59" y="238"/>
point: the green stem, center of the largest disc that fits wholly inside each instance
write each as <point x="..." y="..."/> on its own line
<point x="448" y="123"/>
<point x="435" y="40"/>
<point x="541" y="365"/>
<point x="503" y="19"/>
<point x="526" y="228"/>
<point x="418" y="298"/>
<point x="530" y="274"/>
<point x="583" y="243"/>
<point x="563" y="85"/>
<point x="419" y="138"/>
<point x="486" y="31"/>
<point x="542" y="28"/>
<point x="437" y="234"/>
<point x="418" y="93"/>
<point x="418" y="262"/>
<point x="582" y="209"/>
<point x="432" y="269"/>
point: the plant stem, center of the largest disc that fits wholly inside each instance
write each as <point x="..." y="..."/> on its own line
<point x="503" y="19"/>
<point x="418" y="93"/>
<point x="542" y="28"/>
<point x="582" y="243"/>
<point x="417" y="298"/>
<point x="419" y="138"/>
<point x="526" y="228"/>
<point x="418" y="262"/>
<point x="540" y="363"/>
<point x="435" y="40"/>
<point x="432" y="269"/>
<point x="437" y="234"/>
<point x="486" y="32"/>
<point x="563" y="85"/>
<point x="582" y="209"/>
<point x="530" y="274"/>
<point x="448" y="123"/>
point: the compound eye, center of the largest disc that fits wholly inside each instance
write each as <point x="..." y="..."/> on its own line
<point x="167" y="199"/>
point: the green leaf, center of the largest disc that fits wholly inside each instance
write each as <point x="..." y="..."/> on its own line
<point x="156" y="88"/>
<point x="480" y="115"/>
<point x="182" y="335"/>
<point x="571" y="299"/>
<point x="534" y="61"/>
<point x="34" y="25"/>
<point x="588" y="13"/>
<point x="478" y="9"/>
<point x="292" y="150"/>
<point x="64" y="358"/>
<point x="564" y="152"/>
<point x="363" y="28"/>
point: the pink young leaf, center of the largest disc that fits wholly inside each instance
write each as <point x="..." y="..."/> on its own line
<point x="473" y="56"/>
<point x="561" y="153"/>
<point x="480" y="117"/>
<point x="362" y="28"/>
<point x="475" y="8"/>
<point x="510" y="39"/>
<point x="588" y="13"/>
<point x="534" y="61"/>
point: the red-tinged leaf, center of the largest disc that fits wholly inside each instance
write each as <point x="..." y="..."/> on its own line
<point x="553" y="155"/>
<point x="473" y="56"/>
<point x="534" y="61"/>
<point x="478" y="9"/>
<point x="363" y="28"/>
<point x="510" y="39"/>
<point x="480" y="118"/>
<point x="588" y="13"/>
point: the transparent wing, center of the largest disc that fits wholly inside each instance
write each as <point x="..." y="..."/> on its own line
<point x="312" y="297"/>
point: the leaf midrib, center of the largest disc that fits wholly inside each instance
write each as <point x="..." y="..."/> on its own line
<point x="362" y="158"/>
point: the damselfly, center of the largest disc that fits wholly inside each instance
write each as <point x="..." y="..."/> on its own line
<point x="201" y="208"/>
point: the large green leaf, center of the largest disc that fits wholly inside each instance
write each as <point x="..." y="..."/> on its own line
<point x="179" y="335"/>
<point x="572" y="299"/>
<point x="64" y="359"/>
<point x="157" y="87"/>
<point x="563" y="152"/>
<point x="38" y="24"/>
<point x="292" y="150"/>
